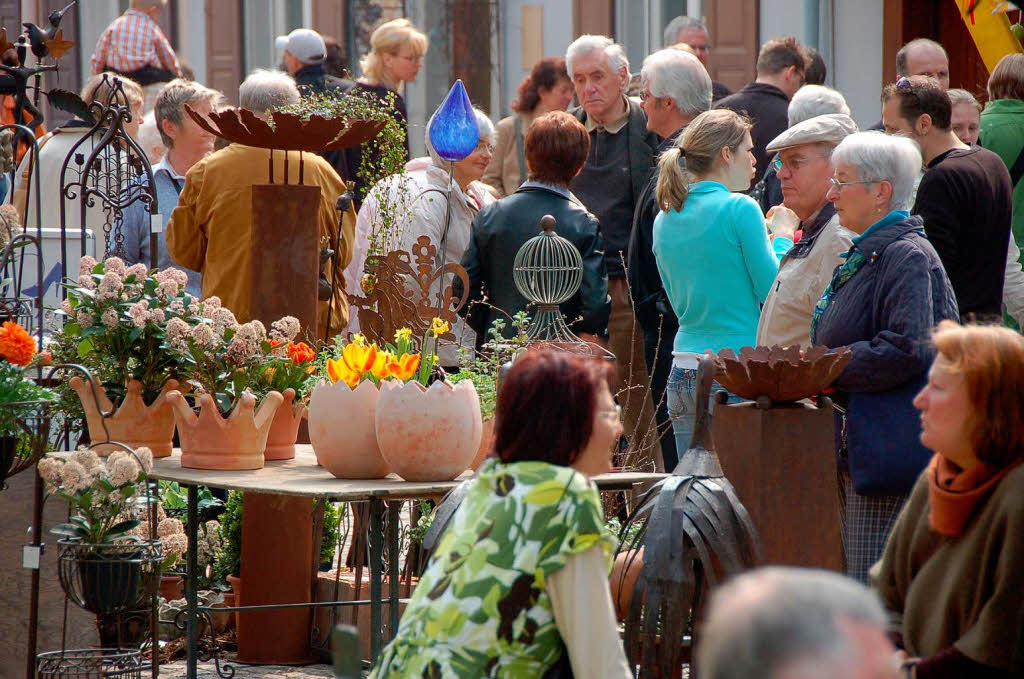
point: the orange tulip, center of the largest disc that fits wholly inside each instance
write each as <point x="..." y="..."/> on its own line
<point x="359" y="357"/>
<point x="381" y="366"/>
<point x="405" y="367"/>
<point x="337" y="370"/>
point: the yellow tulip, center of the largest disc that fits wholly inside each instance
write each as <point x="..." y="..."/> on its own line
<point x="381" y="366"/>
<point x="359" y="357"/>
<point x="405" y="367"/>
<point x="338" y="370"/>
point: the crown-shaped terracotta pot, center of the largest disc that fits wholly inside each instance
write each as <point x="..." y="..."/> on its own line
<point x="285" y="428"/>
<point x="133" y="423"/>
<point x="211" y="441"/>
<point x="348" y="449"/>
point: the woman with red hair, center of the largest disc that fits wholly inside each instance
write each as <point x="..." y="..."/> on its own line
<point x="519" y="579"/>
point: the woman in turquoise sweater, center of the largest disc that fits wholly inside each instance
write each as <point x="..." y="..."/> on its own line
<point x="712" y="250"/>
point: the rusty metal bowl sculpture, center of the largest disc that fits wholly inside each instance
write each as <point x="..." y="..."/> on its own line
<point x="781" y="374"/>
<point x="289" y="132"/>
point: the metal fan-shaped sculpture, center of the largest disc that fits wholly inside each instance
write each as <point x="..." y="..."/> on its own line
<point x="693" y="532"/>
<point x="781" y="374"/>
<point x="289" y="131"/>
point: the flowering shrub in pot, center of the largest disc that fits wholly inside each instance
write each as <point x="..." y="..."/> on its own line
<point x="117" y="320"/>
<point x="286" y="370"/>
<point x="22" y="401"/>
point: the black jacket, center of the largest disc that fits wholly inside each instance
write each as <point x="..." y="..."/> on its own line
<point x="650" y="301"/>
<point x="501" y="228"/>
<point x="768" y="108"/>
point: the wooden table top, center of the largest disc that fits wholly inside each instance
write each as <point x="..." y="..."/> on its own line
<point x="302" y="476"/>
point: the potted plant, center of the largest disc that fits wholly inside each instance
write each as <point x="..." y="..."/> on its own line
<point x="22" y="401"/>
<point x="285" y="370"/>
<point x="348" y="381"/>
<point x="117" y="318"/>
<point x="223" y="361"/>
<point x="105" y="566"/>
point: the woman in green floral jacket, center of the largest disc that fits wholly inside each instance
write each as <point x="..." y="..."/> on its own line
<point x="520" y="576"/>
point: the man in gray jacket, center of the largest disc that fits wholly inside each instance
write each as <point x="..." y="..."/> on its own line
<point x="804" y="168"/>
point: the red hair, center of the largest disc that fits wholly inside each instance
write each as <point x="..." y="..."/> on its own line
<point x="546" y="406"/>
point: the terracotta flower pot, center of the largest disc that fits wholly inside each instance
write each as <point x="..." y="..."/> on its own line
<point x="171" y="587"/>
<point x="133" y="423"/>
<point x="346" y="449"/>
<point x="625" y="572"/>
<point x="236" y="598"/>
<point x="486" y="445"/>
<point x="284" y="429"/>
<point x="211" y="441"/>
<point x="428" y="434"/>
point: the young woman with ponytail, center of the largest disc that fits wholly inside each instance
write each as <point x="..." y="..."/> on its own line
<point x="712" y="250"/>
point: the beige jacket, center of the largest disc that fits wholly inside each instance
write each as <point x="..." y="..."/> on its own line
<point x="786" y="315"/>
<point x="503" y="172"/>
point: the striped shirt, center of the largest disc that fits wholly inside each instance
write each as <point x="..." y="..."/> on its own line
<point x="133" y="41"/>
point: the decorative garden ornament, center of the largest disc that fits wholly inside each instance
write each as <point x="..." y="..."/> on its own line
<point x="453" y="130"/>
<point x="428" y="433"/>
<point x="694" y="532"/>
<point x="783" y="375"/>
<point x="133" y="423"/>
<point x="285" y="428"/>
<point x="211" y="441"/>
<point x="349" y="451"/>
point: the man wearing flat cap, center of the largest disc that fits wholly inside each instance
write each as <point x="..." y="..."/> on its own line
<point x="804" y="167"/>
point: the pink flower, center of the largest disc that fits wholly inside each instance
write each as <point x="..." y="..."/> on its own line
<point x="86" y="264"/>
<point x="138" y="270"/>
<point x="86" y="281"/>
<point x="66" y="307"/>
<point x="139" y="313"/>
<point x="114" y="265"/>
<point x="110" y="285"/>
<point x="110" y="319"/>
<point x="157" y="316"/>
<point x="85" y="319"/>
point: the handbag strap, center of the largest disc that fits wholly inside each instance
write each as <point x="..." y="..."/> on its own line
<point x="520" y="154"/>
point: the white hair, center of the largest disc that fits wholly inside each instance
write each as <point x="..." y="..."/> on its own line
<point x="681" y="77"/>
<point x="772" y="620"/>
<point x="588" y="44"/>
<point x="265" y="90"/>
<point x="877" y="156"/>
<point x="483" y="123"/>
<point x="149" y="139"/>
<point x="681" y="23"/>
<point x="811" y="101"/>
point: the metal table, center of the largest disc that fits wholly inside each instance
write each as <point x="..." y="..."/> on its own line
<point x="302" y="476"/>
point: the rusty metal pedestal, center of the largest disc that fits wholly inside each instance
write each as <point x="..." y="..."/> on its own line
<point x="781" y="461"/>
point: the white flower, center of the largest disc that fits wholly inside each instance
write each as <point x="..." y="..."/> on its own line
<point x="223" y="319"/>
<point x="177" y="307"/>
<point x="139" y="313"/>
<point x="49" y="469"/>
<point x="85" y="281"/>
<point x="110" y="319"/>
<point x="74" y="477"/>
<point x="138" y="270"/>
<point x="145" y="456"/>
<point x="84" y="318"/>
<point x="209" y="304"/>
<point x="66" y="307"/>
<point x="169" y="527"/>
<point x="177" y="330"/>
<point x="114" y="265"/>
<point x="157" y="316"/>
<point x="204" y="336"/>
<point x="87" y="458"/>
<point x="86" y="264"/>
<point x="123" y="471"/>
<point x="251" y="332"/>
<point x="175" y="544"/>
<point x="110" y="285"/>
<point x="286" y="328"/>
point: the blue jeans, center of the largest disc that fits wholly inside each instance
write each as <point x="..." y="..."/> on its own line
<point x="681" y="396"/>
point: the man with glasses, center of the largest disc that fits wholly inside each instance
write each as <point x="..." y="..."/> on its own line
<point x="694" y="32"/>
<point x="804" y="168"/>
<point x="780" y="73"/>
<point x="965" y="196"/>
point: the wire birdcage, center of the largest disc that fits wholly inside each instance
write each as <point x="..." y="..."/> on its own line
<point x="547" y="271"/>
<point x="98" y="663"/>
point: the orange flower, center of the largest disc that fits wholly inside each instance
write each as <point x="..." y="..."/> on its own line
<point x="338" y="370"/>
<point x="405" y="366"/>
<point x="16" y="345"/>
<point x="300" y="353"/>
<point x="359" y="357"/>
<point x="382" y="365"/>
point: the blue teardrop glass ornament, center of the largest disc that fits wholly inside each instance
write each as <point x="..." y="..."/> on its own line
<point x="453" y="131"/>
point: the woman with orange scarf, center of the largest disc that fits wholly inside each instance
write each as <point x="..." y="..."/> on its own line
<point x="953" y="567"/>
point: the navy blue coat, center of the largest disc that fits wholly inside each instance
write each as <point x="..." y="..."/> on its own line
<point x="885" y="314"/>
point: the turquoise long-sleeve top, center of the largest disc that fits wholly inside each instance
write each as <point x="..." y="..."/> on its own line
<point x="718" y="266"/>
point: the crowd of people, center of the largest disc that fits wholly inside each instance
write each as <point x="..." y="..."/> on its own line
<point x="705" y="220"/>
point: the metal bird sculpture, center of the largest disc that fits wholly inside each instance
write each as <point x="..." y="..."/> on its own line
<point x="689" y="531"/>
<point x="49" y="40"/>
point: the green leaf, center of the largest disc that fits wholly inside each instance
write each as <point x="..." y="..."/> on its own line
<point x="68" y="530"/>
<point x="85" y="348"/>
<point x="136" y="334"/>
<point x="123" y="527"/>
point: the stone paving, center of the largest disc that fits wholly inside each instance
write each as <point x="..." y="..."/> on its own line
<point x="176" y="670"/>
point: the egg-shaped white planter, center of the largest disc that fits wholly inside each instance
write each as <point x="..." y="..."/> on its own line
<point x="428" y="433"/>
<point x="342" y="432"/>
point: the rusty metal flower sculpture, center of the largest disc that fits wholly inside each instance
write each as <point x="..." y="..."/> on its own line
<point x="289" y="131"/>
<point x="693" y="532"/>
<point x="782" y="375"/>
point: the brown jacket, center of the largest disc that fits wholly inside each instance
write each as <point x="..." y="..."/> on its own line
<point x="966" y="592"/>
<point x="210" y="229"/>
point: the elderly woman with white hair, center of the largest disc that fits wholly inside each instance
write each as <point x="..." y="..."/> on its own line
<point x="401" y="209"/>
<point x="810" y="101"/>
<point x="881" y="304"/>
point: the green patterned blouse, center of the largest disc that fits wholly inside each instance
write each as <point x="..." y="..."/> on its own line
<point x="481" y="608"/>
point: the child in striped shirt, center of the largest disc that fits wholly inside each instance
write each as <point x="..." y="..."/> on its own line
<point x="134" y="46"/>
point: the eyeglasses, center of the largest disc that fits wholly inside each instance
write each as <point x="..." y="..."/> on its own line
<point x="612" y="415"/>
<point x="794" y="164"/>
<point x="484" y="146"/>
<point x="839" y="186"/>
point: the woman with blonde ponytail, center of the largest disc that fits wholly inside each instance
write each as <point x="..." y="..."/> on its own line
<point x="712" y="250"/>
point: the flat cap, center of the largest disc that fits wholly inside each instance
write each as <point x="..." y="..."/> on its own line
<point x="831" y="128"/>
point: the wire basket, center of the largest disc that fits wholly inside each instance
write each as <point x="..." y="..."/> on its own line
<point x="24" y="428"/>
<point x="111" y="578"/>
<point x="89" y="664"/>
